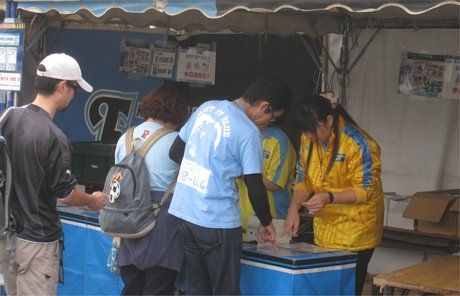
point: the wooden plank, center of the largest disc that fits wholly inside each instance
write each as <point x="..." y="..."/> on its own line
<point x="439" y="276"/>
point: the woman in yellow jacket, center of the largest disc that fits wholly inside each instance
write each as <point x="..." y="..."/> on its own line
<point x="338" y="180"/>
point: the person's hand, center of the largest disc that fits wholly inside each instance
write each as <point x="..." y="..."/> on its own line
<point x="291" y="224"/>
<point x="97" y="200"/>
<point x="267" y="234"/>
<point x="317" y="202"/>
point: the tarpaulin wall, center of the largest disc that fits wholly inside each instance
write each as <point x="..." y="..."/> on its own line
<point x="419" y="138"/>
<point x="239" y="60"/>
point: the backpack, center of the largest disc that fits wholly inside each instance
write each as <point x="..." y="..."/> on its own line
<point x="129" y="212"/>
<point x="7" y="223"/>
<point x="5" y="179"/>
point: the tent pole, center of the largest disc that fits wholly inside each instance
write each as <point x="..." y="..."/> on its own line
<point x="363" y="50"/>
<point x="344" y="55"/>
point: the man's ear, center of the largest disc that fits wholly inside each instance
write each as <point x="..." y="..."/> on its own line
<point x="61" y="86"/>
<point x="263" y="105"/>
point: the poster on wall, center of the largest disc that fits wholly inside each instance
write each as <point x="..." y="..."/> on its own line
<point x="11" y="55"/>
<point x="451" y="88"/>
<point x="429" y="76"/>
<point x="163" y="62"/>
<point x="421" y="75"/>
<point x="196" y="65"/>
<point x="135" y="57"/>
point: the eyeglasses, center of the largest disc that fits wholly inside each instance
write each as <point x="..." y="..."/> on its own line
<point x="274" y="117"/>
<point x="74" y="85"/>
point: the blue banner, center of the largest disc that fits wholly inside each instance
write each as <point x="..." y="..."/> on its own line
<point x="113" y="106"/>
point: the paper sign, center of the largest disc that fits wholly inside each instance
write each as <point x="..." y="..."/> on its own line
<point x="163" y="63"/>
<point x="196" y="65"/>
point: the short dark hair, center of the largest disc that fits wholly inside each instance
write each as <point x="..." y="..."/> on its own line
<point x="45" y="85"/>
<point x="166" y="103"/>
<point x="273" y="90"/>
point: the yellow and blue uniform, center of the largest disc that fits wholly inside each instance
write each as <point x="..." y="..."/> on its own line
<point x="357" y="166"/>
<point x="279" y="159"/>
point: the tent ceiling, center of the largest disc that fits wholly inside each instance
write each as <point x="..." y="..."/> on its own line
<point x="250" y="17"/>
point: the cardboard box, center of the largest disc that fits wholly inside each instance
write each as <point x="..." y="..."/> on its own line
<point x="386" y="202"/>
<point x="395" y="206"/>
<point x="436" y="211"/>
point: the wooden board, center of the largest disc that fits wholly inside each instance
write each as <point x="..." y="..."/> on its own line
<point x="439" y="276"/>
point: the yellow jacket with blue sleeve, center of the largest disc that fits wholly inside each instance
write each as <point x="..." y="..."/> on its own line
<point x="279" y="161"/>
<point x="357" y="166"/>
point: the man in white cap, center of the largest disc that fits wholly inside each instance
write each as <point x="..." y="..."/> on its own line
<point x="41" y="163"/>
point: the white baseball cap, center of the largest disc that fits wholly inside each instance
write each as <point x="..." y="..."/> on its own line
<point x="64" y="67"/>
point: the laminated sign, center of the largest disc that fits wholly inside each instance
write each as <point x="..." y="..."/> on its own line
<point x="11" y="55"/>
<point x="196" y="65"/>
<point x="163" y="62"/>
<point x="429" y="76"/>
<point x="135" y="57"/>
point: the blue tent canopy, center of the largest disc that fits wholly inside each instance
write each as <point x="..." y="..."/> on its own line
<point x="250" y="17"/>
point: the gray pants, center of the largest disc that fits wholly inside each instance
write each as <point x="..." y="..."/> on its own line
<point x="9" y="278"/>
<point x="36" y="268"/>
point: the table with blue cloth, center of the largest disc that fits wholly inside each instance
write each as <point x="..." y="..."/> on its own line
<point x="86" y="250"/>
<point x="296" y="269"/>
<point x="293" y="269"/>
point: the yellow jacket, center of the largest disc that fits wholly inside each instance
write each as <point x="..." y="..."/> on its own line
<point x="348" y="227"/>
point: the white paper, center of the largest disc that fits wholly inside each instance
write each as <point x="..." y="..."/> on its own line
<point x="196" y="65"/>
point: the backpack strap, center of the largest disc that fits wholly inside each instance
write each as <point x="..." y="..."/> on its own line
<point x="167" y="192"/>
<point x="152" y="139"/>
<point x="8" y="173"/>
<point x="129" y="140"/>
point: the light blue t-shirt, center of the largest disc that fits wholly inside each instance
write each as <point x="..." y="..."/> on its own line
<point x="221" y="145"/>
<point x="160" y="167"/>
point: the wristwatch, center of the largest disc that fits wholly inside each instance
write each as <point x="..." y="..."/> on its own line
<point x="331" y="197"/>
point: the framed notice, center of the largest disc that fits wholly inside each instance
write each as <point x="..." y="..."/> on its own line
<point x="135" y="57"/>
<point x="11" y="55"/>
<point x="429" y="76"/>
<point x="163" y="62"/>
<point x="451" y="87"/>
<point x="196" y="65"/>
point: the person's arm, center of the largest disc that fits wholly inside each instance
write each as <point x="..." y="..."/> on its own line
<point x="94" y="202"/>
<point x="258" y="197"/>
<point x="176" y="152"/>
<point x="320" y="200"/>
<point x="302" y="191"/>
<point x="364" y="167"/>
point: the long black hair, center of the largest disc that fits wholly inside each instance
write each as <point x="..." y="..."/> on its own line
<point x="315" y="109"/>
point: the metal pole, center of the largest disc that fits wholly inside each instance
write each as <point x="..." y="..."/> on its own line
<point x="344" y="55"/>
<point x="11" y="12"/>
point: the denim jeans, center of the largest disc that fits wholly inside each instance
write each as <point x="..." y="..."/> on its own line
<point x="212" y="259"/>
<point x="152" y="281"/>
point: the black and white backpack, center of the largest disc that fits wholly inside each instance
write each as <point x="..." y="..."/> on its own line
<point x="129" y="212"/>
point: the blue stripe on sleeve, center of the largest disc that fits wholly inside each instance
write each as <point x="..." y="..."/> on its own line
<point x="283" y="153"/>
<point x="361" y="141"/>
<point x="282" y="201"/>
<point x="298" y="167"/>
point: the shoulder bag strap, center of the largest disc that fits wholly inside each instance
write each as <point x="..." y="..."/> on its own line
<point x="152" y="139"/>
<point x="8" y="174"/>
<point x="129" y="140"/>
<point x="168" y="191"/>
